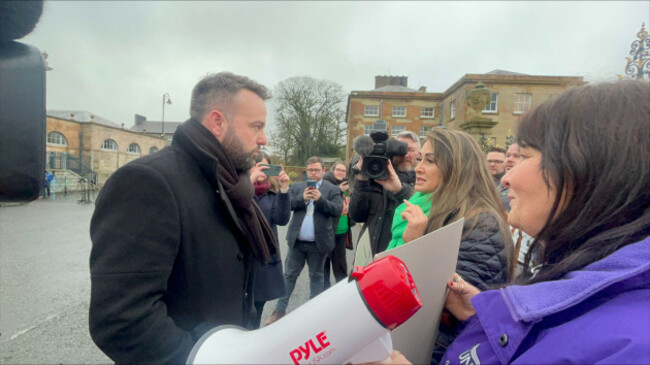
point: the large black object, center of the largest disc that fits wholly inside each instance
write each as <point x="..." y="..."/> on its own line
<point x="375" y="160"/>
<point x="22" y="104"/>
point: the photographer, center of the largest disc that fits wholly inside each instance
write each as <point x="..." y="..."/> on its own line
<point x="405" y="165"/>
<point x="373" y="200"/>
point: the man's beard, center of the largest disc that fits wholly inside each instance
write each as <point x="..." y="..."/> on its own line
<point x="400" y="163"/>
<point x="242" y="160"/>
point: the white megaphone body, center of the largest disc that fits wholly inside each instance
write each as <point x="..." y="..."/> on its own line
<point x="348" y="323"/>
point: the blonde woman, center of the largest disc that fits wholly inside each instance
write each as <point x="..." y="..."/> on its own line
<point x="452" y="182"/>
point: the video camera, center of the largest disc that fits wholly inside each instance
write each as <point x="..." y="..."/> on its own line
<point x="377" y="150"/>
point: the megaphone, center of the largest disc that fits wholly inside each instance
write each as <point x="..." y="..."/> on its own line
<point x="348" y="323"/>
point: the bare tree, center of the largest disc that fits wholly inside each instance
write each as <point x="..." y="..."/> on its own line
<point x="309" y="119"/>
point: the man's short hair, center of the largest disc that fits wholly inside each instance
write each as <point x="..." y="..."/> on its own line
<point x="218" y="91"/>
<point x="497" y="149"/>
<point x="315" y="159"/>
<point x="410" y="135"/>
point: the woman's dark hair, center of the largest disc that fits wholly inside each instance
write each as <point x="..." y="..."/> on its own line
<point x="273" y="183"/>
<point x="595" y="146"/>
<point x="339" y="162"/>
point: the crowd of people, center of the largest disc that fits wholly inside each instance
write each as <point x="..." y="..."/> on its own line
<point x="554" y="245"/>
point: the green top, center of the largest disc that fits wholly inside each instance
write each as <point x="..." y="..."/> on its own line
<point x="343" y="221"/>
<point x="399" y="225"/>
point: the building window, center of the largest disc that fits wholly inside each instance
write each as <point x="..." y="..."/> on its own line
<point x="367" y="129"/>
<point x="452" y="109"/>
<point x="399" y="111"/>
<point x="522" y="102"/>
<point x="492" y="106"/>
<point x="396" y="129"/>
<point x="133" y="148"/>
<point x="109" y="145"/>
<point x="57" y="139"/>
<point x="153" y="150"/>
<point x="424" y="131"/>
<point x="426" y="113"/>
<point x="371" y="111"/>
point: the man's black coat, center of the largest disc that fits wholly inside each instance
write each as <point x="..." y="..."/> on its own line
<point x="167" y="263"/>
<point x="371" y="204"/>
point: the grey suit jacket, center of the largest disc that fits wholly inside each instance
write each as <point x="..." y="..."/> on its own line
<point x="326" y="209"/>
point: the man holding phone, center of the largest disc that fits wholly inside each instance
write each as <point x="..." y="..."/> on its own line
<point x="315" y="204"/>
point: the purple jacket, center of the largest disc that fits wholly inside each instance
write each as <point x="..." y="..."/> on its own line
<point x="600" y="314"/>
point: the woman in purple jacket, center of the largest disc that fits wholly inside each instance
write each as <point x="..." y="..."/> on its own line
<point x="583" y="191"/>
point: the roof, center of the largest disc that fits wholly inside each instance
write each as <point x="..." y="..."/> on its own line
<point x="155" y="127"/>
<point x="81" y="116"/>
<point x="503" y="72"/>
<point x="395" y="88"/>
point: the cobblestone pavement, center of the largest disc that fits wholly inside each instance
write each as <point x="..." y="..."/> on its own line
<point x="45" y="285"/>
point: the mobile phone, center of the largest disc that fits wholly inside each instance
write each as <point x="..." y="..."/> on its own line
<point x="345" y="179"/>
<point x="311" y="184"/>
<point x="273" y="170"/>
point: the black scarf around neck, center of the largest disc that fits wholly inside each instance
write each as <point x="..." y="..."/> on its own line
<point x="239" y="189"/>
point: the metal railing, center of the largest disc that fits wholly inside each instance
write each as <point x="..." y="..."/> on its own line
<point x="64" y="161"/>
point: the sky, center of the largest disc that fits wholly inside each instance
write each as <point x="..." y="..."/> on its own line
<point x="117" y="58"/>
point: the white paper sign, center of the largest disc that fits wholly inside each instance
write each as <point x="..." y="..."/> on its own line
<point x="431" y="259"/>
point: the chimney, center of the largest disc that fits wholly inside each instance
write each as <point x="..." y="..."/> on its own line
<point x="139" y="119"/>
<point x="422" y="89"/>
<point x="391" y="80"/>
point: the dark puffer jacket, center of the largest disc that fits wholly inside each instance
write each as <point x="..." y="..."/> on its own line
<point x="482" y="255"/>
<point x="482" y="262"/>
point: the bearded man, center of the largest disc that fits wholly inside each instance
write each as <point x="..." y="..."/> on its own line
<point x="175" y="234"/>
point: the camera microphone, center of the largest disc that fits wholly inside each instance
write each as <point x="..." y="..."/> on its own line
<point x="363" y="145"/>
<point x="18" y="18"/>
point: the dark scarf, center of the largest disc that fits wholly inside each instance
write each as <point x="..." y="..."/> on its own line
<point x="329" y="176"/>
<point x="238" y="187"/>
<point x="261" y="188"/>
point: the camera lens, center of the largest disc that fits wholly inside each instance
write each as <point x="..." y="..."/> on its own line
<point x="375" y="167"/>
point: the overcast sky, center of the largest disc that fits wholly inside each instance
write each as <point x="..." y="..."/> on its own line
<point x="116" y="59"/>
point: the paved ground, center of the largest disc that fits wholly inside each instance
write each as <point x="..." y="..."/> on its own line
<point x="44" y="283"/>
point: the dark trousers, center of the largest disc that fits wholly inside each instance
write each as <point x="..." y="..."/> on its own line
<point x="255" y="320"/>
<point x="338" y="261"/>
<point x="300" y="253"/>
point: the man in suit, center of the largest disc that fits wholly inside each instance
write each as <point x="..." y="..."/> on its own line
<point x="311" y="234"/>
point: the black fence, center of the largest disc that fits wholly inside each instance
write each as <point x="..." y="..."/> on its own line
<point x="64" y="161"/>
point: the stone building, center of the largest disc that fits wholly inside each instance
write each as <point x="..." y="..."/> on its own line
<point x="418" y="110"/>
<point x="83" y="146"/>
<point x="392" y="101"/>
<point x="155" y="128"/>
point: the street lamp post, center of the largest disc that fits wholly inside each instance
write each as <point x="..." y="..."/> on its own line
<point x="166" y="100"/>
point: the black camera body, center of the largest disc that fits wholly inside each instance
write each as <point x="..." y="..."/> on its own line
<point x="377" y="150"/>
